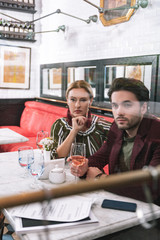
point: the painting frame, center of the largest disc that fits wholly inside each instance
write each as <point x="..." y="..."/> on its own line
<point x="55" y="78"/>
<point x="15" y="67"/>
<point x="112" y="17"/>
<point x="135" y="71"/>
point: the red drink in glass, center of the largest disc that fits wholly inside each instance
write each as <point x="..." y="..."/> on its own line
<point x="78" y="160"/>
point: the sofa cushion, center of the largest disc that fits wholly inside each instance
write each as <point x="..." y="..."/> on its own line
<point x="40" y="116"/>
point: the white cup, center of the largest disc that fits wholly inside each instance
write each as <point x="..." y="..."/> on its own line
<point x="57" y="175"/>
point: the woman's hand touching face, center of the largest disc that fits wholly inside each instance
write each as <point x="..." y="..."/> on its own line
<point x="78" y="123"/>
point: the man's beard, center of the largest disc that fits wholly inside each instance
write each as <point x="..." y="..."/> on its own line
<point x="130" y="125"/>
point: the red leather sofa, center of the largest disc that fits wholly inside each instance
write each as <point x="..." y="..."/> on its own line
<point x="35" y="117"/>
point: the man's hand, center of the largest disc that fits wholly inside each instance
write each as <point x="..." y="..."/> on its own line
<point x="78" y="171"/>
<point x="93" y="172"/>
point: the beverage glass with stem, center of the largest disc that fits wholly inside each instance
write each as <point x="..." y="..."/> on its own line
<point x="41" y="135"/>
<point x="36" y="169"/>
<point x="25" y="158"/>
<point x="78" y="154"/>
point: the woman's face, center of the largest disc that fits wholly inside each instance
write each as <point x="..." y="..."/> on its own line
<point x="79" y="102"/>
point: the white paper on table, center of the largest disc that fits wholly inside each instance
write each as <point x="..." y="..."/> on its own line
<point x="66" y="209"/>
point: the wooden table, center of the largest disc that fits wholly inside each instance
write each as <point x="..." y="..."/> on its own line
<point x="9" y="136"/>
<point x="110" y="221"/>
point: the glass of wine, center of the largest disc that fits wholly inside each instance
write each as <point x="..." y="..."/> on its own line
<point x="36" y="169"/>
<point x="41" y="135"/>
<point x="78" y="154"/>
<point x="25" y="158"/>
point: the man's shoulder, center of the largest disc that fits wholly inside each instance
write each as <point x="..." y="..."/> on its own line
<point x="155" y="125"/>
<point x="151" y="125"/>
<point x="151" y="120"/>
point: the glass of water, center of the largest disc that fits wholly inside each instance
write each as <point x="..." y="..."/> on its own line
<point x="25" y="158"/>
<point x="36" y="169"/>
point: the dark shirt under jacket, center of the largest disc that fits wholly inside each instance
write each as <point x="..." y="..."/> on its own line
<point x="146" y="151"/>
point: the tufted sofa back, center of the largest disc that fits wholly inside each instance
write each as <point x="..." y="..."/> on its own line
<point x="40" y="116"/>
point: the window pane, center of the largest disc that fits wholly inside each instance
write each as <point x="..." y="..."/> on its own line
<point x="87" y="73"/>
<point x="140" y="72"/>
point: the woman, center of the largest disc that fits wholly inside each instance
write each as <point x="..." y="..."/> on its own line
<point x="79" y="125"/>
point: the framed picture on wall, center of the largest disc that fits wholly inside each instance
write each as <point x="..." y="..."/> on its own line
<point x="55" y="78"/>
<point x="136" y="72"/>
<point x="15" y="67"/>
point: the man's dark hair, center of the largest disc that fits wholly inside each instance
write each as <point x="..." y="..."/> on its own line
<point x="132" y="85"/>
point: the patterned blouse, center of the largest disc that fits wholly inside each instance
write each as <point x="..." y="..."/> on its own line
<point x="93" y="137"/>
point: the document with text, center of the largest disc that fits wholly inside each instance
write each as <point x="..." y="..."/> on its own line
<point x="67" y="209"/>
<point x="63" y="212"/>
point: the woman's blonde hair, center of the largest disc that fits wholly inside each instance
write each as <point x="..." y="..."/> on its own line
<point x="80" y="84"/>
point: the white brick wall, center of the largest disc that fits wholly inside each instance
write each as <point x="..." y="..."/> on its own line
<point x="137" y="37"/>
<point x="34" y="77"/>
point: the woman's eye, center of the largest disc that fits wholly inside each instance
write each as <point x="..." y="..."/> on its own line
<point x="83" y="100"/>
<point x="73" y="100"/>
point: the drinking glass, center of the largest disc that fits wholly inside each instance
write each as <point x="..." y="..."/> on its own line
<point x="78" y="154"/>
<point x="25" y="158"/>
<point x="36" y="169"/>
<point x="41" y="135"/>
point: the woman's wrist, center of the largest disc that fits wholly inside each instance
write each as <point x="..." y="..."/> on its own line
<point x="74" y="132"/>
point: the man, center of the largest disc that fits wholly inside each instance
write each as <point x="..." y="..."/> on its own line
<point x="134" y="138"/>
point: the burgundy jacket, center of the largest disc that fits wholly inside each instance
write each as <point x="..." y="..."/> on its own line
<point x="146" y="151"/>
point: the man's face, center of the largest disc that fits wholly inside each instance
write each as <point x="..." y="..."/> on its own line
<point x="127" y="110"/>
